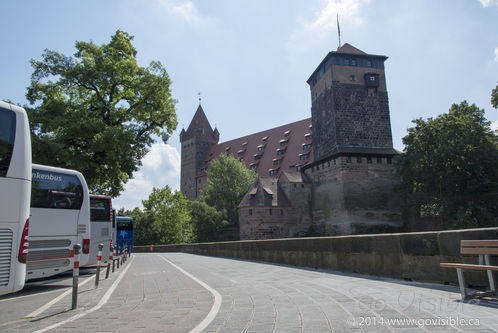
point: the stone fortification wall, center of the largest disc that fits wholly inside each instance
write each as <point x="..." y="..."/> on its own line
<point x="410" y="256"/>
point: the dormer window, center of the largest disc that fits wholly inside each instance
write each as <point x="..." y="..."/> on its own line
<point x="273" y="172"/>
<point x="244" y="144"/>
<point x="307" y="136"/>
<point x="281" y="151"/>
<point x="306" y="146"/>
<point x="261" y="147"/>
<point x="204" y="170"/>
<point x="253" y="166"/>
<point x="304" y="157"/>
<point x="264" y="139"/>
<point x="241" y="152"/>
<point x="287" y="133"/>
<point x="257" y="156"/>
<point x="227" y="149"/>
<point x="284" y="142"/>
<point x="277" y="161"/>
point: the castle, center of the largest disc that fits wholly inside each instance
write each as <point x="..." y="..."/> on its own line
<point x="330" y="173"/>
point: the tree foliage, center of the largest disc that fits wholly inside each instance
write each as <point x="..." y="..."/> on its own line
<point x="167" y="217"/>
<point x="494" y="97"/>
<point x="449" y="167"/>
<point x="207" y="222"/>
<point x="98" y="111"/>
<point x="229" y="180"/>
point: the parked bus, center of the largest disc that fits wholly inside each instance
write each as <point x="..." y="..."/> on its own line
<point x="101" y="226"/>
<point x="60" y="218"/>
<point x="124" y="233"/>
<point x="15" y="189"/>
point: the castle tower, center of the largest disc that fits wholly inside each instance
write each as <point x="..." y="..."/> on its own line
<point x="352" y="171"/>
<point x="349" y="104"/>
<point x="196" y="142"/>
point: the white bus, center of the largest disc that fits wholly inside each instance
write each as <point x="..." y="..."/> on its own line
<point x="15" y="189"/>
<point x="101" y="217"/>
<point x="60" y="218"/>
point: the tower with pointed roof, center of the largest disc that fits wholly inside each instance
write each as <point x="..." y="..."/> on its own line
<point x="196" y="142"/>
<point x="352" y="171"/>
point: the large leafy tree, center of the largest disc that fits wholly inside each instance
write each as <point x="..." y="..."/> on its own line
<point x="98" y="111"/>
<point x="167" y="217"/>
<point x="449" y="167"/>
<point x="229" y="180"/>
<point x="207" y="222"/>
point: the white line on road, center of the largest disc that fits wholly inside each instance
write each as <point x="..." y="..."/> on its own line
<point x="57" y="299"/>
<point x="104" y="300"/>
<point x="217" y="299"/>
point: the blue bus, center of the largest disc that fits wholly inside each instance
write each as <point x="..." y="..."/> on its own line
<point x="124" y="233"/>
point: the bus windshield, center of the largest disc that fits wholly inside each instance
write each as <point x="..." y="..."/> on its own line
<point x="7" y="137"/>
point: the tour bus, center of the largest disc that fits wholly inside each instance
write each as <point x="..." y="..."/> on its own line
<point x="124" y="233"/>
<point x="60" y="218"/>
<point x="15" y="190"/>
<point x="100" y="226"/>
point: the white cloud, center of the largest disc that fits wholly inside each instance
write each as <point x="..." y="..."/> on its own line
<point x="186" y="10"/>
<point x="326" y="20"/>
<point x="494" y="125"/>
<point x="160" y="167"/>
<point x="487" y="3"/>
<point x="496" y="54"/>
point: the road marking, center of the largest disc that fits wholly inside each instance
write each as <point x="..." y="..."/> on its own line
<point x="57" y="299"/>
<point x="217" y="299"/>
<point x="103" y="300"/>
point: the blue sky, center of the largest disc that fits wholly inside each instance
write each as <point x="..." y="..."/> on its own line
<point x="251" y="59"/>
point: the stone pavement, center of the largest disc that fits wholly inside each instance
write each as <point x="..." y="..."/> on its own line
<point x="156" y="296"/>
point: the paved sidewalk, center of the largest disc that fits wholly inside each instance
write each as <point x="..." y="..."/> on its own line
<point x="155" y="295"/>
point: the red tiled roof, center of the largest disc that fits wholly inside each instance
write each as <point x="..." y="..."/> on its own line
<point x="269" y="143"/>
<point x="348" y="48"/>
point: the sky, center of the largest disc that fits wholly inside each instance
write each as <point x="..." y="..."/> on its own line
<point x="250" y="60"/>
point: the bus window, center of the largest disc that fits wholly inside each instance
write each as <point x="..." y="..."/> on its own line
<point x="55" y="190"/>
<point x="7" y="137"/>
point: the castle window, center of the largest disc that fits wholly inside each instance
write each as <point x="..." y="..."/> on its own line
<point x="369" y="63"/>
<point x="280" y="151"/>
<point x="270" y="212"/>
<point x="250" y="211"/>
<point x="295" y="185"/>
<point x="281" y="212"/>
<point x="302" y="185"/>
<point x="353" y="62"/>
<point x="389" y="160"/>
<point x="328" y="164"/>
<point x="273" y="172"/>
<point x="352" y="78"/>
<point x="358" y="159"/>
<point x="335" y="161"/>
<point x="379" y="160"/>
<point x="369" y="160"/>
<point x="348" y="159"/>
<point x="346" y="62"/>
<point x="304" y="157"/>
<point x="306" y="146"/>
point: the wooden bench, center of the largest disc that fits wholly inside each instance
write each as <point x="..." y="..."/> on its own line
<point x="483" y="248"/>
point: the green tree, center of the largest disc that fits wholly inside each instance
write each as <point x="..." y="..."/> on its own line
<point x="98" y="111"/>
<point x="206" y="221"/>
<point x="449" y="167"/>
<point x="229" y="180"/>
<point x="167" y="217"/>
<point x="494" y="97"/>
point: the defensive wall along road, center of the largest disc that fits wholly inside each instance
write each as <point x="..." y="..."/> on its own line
<point x="255" y="286"/>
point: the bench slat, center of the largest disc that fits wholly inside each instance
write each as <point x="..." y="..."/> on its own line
<point x="479" y="250"/>
<point x="478" y="243"/>
<point x="469" y="266"/>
